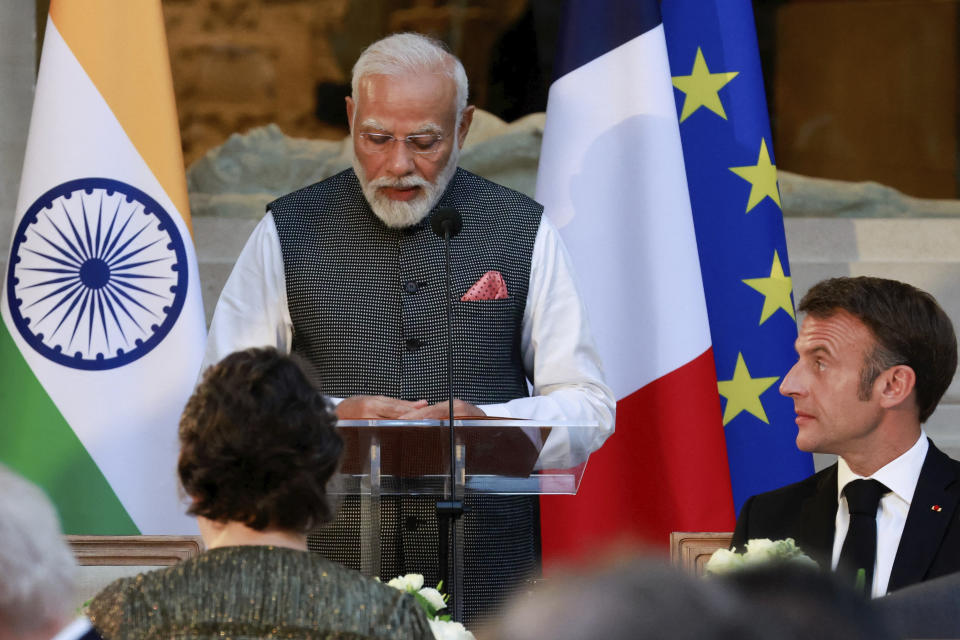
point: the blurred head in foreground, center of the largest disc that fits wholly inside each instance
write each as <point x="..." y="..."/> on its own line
<point x="805" y="603"/>
<point x="646" y="599"/>
<point x="37" y="569"/>
<point x="638" y="599"/>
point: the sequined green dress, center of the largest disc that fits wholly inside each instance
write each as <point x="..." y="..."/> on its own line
<point x="255" y="592"/>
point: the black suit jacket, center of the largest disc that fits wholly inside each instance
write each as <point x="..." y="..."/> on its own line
<point x="806" y="511"/>
<point x="90" y="635"/>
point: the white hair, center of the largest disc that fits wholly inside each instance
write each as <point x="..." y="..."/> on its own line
<point x="411" y="53"/>
<point x="37" y="569"/>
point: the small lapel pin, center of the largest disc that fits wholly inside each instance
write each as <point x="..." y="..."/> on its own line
<point x="936" y="508"/>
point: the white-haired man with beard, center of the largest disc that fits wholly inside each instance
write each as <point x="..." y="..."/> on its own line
<point x="37" y="570"/>
<point x="348" y="273"/>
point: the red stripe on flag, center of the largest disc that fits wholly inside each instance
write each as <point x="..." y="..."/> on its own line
<point x="664" y="469"/>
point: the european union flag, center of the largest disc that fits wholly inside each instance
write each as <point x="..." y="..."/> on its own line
<point x="731" y="173"/>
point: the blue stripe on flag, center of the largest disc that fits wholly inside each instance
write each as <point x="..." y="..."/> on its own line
<point x="735" y="243"/>
<point x="588" y="32"/>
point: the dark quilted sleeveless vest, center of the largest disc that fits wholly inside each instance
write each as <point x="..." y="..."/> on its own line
<point x="367" y="301"/>
<point x="367" y="304"/>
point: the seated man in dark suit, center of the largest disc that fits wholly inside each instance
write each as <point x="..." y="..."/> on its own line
<point x="875" y="357"/>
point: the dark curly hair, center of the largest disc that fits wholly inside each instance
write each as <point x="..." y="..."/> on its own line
<point x="258" y="444"/>
<point x="908" y="324"/>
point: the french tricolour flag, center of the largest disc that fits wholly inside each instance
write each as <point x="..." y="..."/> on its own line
<point x="611" y="177"/>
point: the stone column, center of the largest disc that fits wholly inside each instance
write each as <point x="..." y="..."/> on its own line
<point x="17" y="75"/>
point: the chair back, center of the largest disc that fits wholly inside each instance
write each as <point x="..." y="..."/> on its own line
<point x="103" y="559"/>
<point x="690" y="550"/>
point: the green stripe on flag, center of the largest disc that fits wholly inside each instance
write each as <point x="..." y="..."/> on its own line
<point x="37" y="442"/>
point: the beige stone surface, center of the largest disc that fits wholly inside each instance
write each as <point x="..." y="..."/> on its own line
<point x="805" y="196"/>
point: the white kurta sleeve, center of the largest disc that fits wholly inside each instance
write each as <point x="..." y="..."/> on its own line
<point x="560" y="358"/>
<point x="252" y="310"/>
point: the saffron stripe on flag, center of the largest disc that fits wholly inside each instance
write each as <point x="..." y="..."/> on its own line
<point x="133" y="76"/>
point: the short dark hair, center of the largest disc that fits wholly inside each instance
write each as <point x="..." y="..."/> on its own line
<point x="909" y="326"/>
<point x="258" y="444"/>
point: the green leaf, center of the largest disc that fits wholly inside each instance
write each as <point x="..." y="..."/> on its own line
<point x="426" y="606"/>
<point x="860" y="583"/>
<point x="82" y="609"/>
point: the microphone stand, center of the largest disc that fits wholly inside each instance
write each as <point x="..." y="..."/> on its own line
<point x="447" y="222"/>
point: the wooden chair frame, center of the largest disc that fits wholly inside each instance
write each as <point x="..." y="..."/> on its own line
<point x="690" y="550"/>
<point x="154" y="551"/>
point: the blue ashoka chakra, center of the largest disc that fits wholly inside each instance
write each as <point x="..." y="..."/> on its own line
<point x="98" y="274"/>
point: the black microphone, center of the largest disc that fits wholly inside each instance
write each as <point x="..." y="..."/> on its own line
<point x="446" y="220"/>
<point x="446" y="223"/>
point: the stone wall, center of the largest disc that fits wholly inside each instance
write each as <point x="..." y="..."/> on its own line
<point x="923" y="252"/>
<point x="239" y="64"/>
<point x="242" y="63"/>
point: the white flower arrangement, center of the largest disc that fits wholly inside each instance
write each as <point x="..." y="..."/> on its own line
<point x="411" y="583"/>
<point x="449" y="630"/>
<point x="758" y="551"/>
<point x="431" y="601"/>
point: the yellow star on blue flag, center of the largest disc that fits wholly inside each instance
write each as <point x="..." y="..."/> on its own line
<point x="777" y="290"/>
<point x="743" y="392"/>
<point x="762" y="178"/>
<point x="702" y="88"/>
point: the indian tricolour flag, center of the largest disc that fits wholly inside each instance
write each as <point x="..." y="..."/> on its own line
<point x="103" y="328"/>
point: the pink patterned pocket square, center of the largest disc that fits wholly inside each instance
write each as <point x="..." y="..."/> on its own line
<point x="489" y="287"/>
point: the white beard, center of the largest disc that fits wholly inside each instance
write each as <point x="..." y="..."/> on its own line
<point x="398" y="214"/>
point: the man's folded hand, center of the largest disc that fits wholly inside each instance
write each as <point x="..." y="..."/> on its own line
<point x="377" y="408"/>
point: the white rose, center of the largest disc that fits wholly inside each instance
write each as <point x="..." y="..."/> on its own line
<point x="761" y="550"/>
<point x="412" y="582"/>
<point x="433" y="596"/>
<point x="761" y="546"/>
<point x="445" y="630"/>
<point x="723" y="561"/>
<point x="398" y="583"/>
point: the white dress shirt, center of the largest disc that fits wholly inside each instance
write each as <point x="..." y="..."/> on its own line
<point x="900" y="476"/>
<point x="74" y="630"/>
<point x="559" y="354"/>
